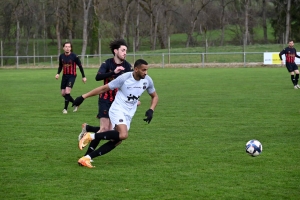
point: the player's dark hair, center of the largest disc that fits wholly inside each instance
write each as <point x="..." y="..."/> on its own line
<point x="68" y="43"/>
<point x="116" y="44"/>
<point x="140" y="62"/>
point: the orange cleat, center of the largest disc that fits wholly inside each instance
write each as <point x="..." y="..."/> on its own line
<point x="85" y="140"/>
<point x="86" y="162"/>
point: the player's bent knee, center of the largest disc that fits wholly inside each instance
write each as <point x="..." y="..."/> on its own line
<point x="103" y="129"/>
<point x="123" y="136"/>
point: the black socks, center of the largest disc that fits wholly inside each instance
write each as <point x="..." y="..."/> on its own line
<point x="108" y="135"/>
<point x="68" y="98"/>
<point x="93" y="145"/>
<point x="93" y="129"/>
<point x="66" y="103"/>
<point x="293" y="79"/>
<point x="105" y="148"/>
<point x="296" y="79"/>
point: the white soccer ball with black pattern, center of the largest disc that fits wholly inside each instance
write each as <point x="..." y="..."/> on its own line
<point x="254" y="147"/>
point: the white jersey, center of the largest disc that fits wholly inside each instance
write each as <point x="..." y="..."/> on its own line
<point x="129" y="92"/>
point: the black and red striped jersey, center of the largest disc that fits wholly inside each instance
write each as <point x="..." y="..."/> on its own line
<point x="290" y="54"/>
<point x="67" y="64"/>
<point x="106" y="73"/>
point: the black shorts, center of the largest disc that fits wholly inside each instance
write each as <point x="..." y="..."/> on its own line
<point x="103" y="108"/>
<point x="67" y="81"/>
<point x="291" y="67"/>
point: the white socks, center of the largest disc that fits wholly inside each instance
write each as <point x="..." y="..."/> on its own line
<point x="93" y="136"/>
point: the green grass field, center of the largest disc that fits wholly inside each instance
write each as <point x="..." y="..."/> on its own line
<point x="192" y="149"/>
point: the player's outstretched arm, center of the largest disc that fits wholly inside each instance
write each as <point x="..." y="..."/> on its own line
<point x="94" y="92"/>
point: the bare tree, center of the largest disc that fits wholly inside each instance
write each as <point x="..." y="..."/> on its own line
<point x="155" y="20"/>
<point x="70" y="19"/>
<point x="246" y="11"/>
<point x="86" y="7"/>
<point x="154" y="33"/>
<point x="17" y="14"/>
<point x="57" y="26"/>
<point x="164" y="23"/>
<point x="119" y="13"/>
<point x="152" y="10"/>
<point x="137" y="27"/>
<point x="224" y="4"/>
<point x="126" y="14"/>
<point x="96" y="26"/>
<point x="242" y="19"/>
<point x="108" y="26"/>
<point x="264" y="23"/>
<point x="6" y="24"/>
<point x="17" y="38"/>
<point x="195" y="8"/>
<point x="27" y="19"/>
<point x="287" y="23"/>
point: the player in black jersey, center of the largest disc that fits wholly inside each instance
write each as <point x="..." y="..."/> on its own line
<point x="290" y="54"/>
<point x="67" y="63"/>
<point x="109" y="70"/>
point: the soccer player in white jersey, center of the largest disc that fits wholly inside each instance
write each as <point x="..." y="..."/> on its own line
<point x="130" y="87"/>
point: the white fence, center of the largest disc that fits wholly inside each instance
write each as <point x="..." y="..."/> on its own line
<point x="162" y="60"/>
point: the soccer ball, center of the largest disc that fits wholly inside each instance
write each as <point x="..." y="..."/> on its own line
<point x="254" y="147"/>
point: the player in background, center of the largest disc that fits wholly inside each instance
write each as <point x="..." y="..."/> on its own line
<point x="67" y="63"/>
<point x="130" y="86"/>
<point x="290" y="54"/>
<point x="108" y="71"/>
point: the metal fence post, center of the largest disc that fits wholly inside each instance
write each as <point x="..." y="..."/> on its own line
<point x="202" y="60"/>
<point x="87" y="60"/>
<point x="163" y="60"/>
<point x="244" y="59"/>
<point x="1" y="47"/>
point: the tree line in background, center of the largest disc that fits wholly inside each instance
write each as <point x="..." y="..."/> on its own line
<point x="154" y="20"/>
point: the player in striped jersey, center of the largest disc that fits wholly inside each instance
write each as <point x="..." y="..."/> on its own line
<point x="67" y="63"/>
<point x="290" y="53"/>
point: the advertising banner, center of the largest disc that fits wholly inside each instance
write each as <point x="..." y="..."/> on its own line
<point x="272" y="58"/>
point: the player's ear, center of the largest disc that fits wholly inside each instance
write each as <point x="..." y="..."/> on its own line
<point x="115" y="51"/>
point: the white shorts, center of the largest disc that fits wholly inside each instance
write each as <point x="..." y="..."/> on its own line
<point x="118" y="116"/>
